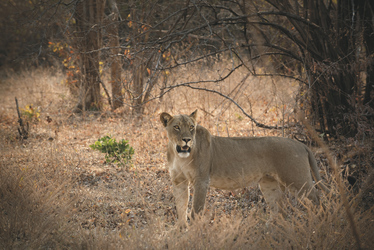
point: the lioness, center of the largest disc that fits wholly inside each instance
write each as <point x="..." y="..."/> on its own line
<point x="198" y="158"/>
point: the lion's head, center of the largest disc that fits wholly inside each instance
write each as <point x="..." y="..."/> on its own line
<point x="181" y="131"/>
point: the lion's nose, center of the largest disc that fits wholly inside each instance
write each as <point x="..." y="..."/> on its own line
<point x="186" y="140"/>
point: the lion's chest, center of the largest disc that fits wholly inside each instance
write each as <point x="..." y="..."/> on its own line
<point x="183" y="167"/>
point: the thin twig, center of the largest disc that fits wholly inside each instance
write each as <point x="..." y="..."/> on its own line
<point x="106" y="92"/>
<point x="258" y="124"/>
<point x="22" y="131"/>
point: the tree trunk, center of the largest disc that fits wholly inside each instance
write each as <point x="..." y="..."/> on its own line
<point x="366" y="10"/>
<point x="138" y="84"/>
<point x="89" y="17"/>
<point x="141" y="63"/>
<point x="117" y="95"/>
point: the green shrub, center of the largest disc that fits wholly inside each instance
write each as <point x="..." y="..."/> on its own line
<point x="115" y="152"/>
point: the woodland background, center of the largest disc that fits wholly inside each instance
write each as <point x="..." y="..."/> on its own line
<point x="81" y="70"/>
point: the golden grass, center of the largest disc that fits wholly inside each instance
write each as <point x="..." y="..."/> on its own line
<point x="59" y="193"/>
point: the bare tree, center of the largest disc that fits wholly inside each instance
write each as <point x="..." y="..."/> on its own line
<point x="326" y="40"/>
<point x="89" y="16"/>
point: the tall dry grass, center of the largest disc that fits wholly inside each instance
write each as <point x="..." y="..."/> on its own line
<point x="55" y="192"/>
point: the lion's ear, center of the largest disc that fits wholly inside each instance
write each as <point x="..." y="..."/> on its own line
<point x="165" y="118"/>
<point x="193" y="115"/>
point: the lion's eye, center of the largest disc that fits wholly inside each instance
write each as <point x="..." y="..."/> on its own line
<point x="192" y="127"/>
<point x="176" y="127"/>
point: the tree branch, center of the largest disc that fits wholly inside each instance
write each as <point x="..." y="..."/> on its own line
<point x="258" y="124"/>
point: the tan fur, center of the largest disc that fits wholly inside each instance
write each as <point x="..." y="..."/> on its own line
<point x="198" y="158"/>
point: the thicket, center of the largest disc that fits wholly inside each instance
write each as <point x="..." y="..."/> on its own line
<point x="327" y="46"/>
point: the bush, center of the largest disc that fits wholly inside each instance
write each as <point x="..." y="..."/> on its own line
<point x="115" y="152"/>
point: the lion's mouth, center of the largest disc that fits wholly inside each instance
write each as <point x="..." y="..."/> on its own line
<point x="184" y="149"/>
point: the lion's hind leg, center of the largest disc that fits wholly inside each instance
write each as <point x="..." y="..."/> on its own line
<point x="272" y="191"/>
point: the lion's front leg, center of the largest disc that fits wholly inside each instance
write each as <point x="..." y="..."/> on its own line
<point x="181" y="194"/>
<point x="200" y="191"/>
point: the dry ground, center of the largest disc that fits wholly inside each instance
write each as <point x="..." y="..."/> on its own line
<point x="56" y="192"/>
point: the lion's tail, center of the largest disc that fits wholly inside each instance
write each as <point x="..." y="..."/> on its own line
<point x="315" y="171"/>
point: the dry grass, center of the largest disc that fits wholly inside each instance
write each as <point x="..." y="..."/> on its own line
<point x="59" y="194"/>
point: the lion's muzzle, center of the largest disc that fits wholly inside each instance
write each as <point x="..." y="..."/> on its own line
<point x="184" y="151"/>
